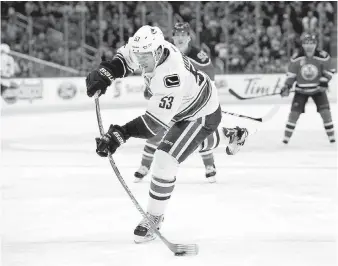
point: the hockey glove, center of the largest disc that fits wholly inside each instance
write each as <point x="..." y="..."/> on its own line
<point x="99" y="79"/>
<point x="285" y="91"/>
<point x="323" y="84"/>
<point x="110" y="141"/>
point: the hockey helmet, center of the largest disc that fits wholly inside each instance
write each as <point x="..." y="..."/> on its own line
<point x="147" y="45"/>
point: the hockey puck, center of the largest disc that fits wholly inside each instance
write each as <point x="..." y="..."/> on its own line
<point x="180" y="253"/>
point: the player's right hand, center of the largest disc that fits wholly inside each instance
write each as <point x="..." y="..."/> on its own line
<point x="285" y="91"/>
<point x="110" y="141"/>
<point x="98" y="79"/>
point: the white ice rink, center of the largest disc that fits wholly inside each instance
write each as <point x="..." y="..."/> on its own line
<point x="273" y="205"/>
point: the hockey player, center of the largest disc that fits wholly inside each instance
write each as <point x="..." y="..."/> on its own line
<point x="181" y="94"/>
<point x="8" y="87"/>
<point x="311" y="70"/>
<point x="201" y="61"/>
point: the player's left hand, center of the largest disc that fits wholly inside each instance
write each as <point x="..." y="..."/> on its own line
<point x="99" y="80"/>
<point x="323" y="84"/>
<point x="110" y="141"/>
<point x="285" y="91"/>
<point x="322" y="89"/>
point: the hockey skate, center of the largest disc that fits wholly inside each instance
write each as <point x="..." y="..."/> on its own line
<point x="210" y="172"/>
<point x="237" y="139"/>
<point x="143" y="233"/>
<point x="141" y="173"/>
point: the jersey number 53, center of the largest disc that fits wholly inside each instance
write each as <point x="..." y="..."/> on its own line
<point x="166" y="102"/>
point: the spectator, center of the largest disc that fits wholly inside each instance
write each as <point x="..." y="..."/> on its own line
<point x="211" y="36"/>
<point x="310" y="23"/>
<point x="274" y="30"/>
<point x="236" y="60"/>
<point x="279" y="27"/>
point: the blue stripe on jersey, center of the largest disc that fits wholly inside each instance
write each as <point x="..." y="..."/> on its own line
<point x="152" y="125"/>
<point x="128" y="70"/>
<point x="199" y="102"/>
<point x="156" y="120"/>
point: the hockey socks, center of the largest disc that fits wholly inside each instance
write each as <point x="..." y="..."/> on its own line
<point x="160" y="193"/>
<point x="328" y="124"/>
<point x="290" y="126"/>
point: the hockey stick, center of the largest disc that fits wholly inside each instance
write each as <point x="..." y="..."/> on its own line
<point x="253" y="97"/>
<point x="265" y="118"/>
<point x="177" y="249"/>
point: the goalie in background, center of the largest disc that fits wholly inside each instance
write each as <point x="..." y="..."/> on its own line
<point x="201" y="61"/>
<point x="312" y="70"/>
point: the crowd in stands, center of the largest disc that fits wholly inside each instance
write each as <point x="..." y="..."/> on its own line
<point x="234" y="32"/>
<point x="237" y="37"/>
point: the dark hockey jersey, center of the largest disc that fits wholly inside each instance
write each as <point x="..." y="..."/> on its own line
<point x="201" y="61"/>
<point x="307" y="72"/>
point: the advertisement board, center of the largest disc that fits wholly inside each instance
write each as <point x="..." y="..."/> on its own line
<point x="70" y="93"/>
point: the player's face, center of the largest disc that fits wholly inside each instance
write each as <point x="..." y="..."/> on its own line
<point x="181" y="40"/>
<point x="146" y="61"/>
<point x="309" y="48"/>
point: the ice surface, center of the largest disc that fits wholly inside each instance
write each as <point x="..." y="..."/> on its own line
<point x="62" y="205"/>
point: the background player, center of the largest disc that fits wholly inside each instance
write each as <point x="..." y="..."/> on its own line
<point x="311" y="69"/>
<point x="181" y="94"/>
<point x="8" y="67"/>
<point x="201" y="61"/>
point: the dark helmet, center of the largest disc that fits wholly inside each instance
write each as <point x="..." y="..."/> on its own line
<point x="309" y="38"/>
<point x="181" y="27"/>
<point x="309" y="43"/>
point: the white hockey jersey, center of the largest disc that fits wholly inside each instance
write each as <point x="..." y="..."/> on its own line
<point x="7" y="69"/>
<point x="180" y="92"/>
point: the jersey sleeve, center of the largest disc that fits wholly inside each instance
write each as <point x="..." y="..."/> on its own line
<point x="328" y="66"/>
<point x="127" y="58"/>
<point x="291" y="74"/>
<point x="123" y="63"/>
<point x="207" y="69"/>
<point x="202" y="61"/>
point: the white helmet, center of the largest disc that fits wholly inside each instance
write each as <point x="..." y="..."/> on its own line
<point x="4" y="48"/>
<point x="147" y="39"/>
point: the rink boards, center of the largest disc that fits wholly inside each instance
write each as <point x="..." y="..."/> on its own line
<point x="70" y="93"/>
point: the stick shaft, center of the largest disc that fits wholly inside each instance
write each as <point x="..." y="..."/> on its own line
<point x="243" y="116"/>
<point x="123" y="183"/>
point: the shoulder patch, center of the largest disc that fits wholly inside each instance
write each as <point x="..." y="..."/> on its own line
<point x="202" y="56"/>
<point x="198" y="56"/>
<point x="172" y="81"/>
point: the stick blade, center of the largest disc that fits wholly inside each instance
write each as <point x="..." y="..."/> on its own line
<point x="185" y="250"/>
<point x="232" y="92"/>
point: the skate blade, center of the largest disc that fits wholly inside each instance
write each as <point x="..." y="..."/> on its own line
<point x="230" y="151"/>
<point x="211" y="179"/>
<point x="138" y="180"/>
<point x="142" y="239"/>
